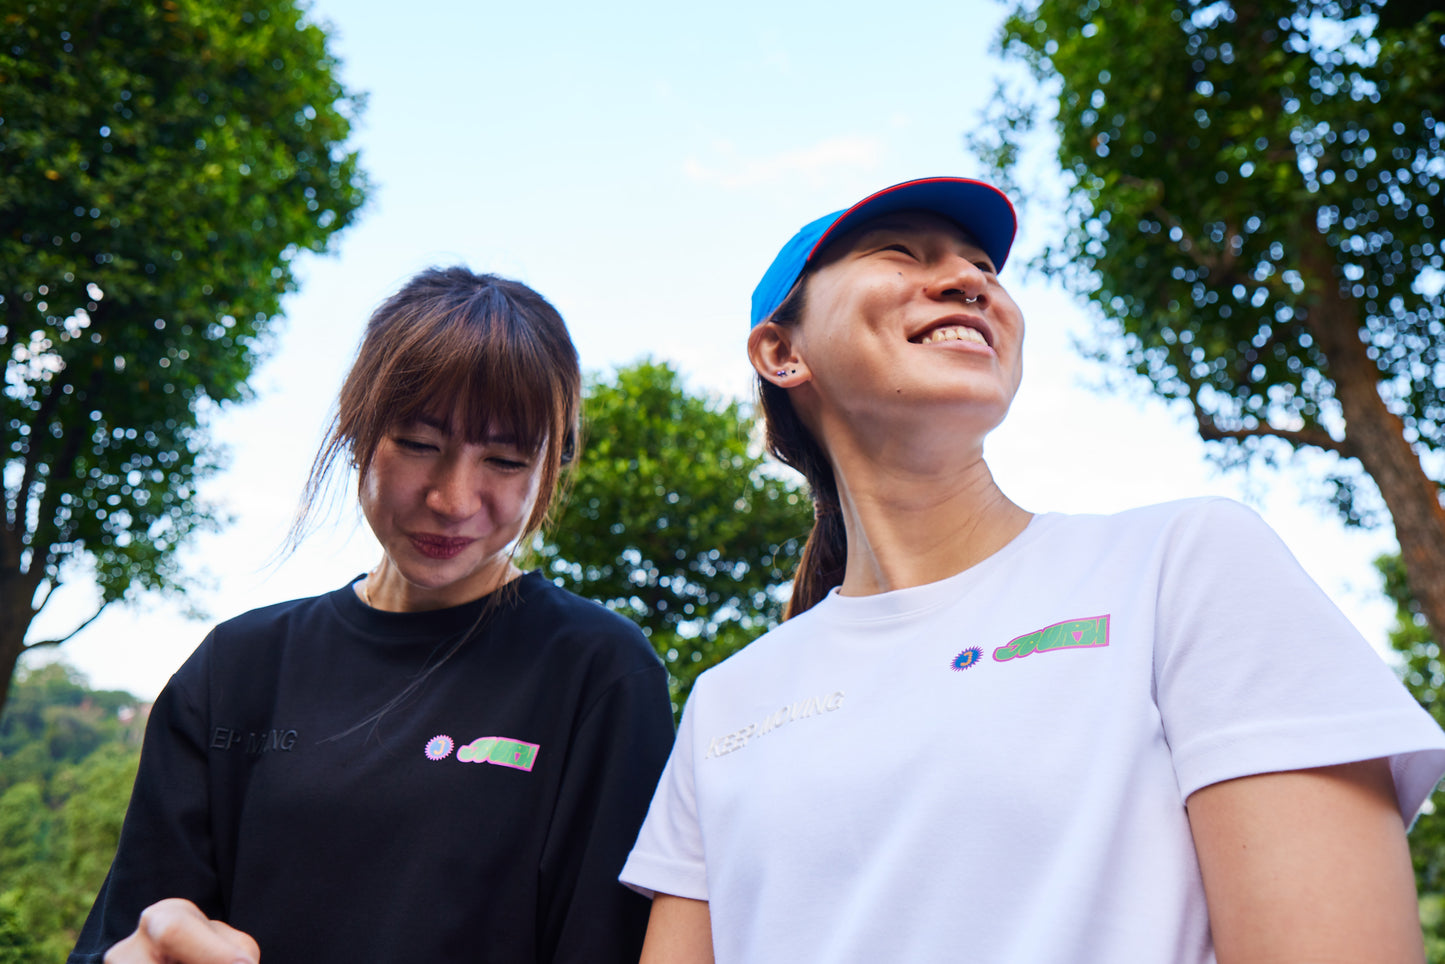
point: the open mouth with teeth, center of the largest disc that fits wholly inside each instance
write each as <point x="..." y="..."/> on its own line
<point x="951" y="333"/>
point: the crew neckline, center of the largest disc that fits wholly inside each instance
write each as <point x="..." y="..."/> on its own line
<point x="425" y="623"/>
<point x="898" y="603"/>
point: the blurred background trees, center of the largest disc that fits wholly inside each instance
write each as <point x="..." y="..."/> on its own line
<point x="161" y="165"/>
<point x="1424" y="674"/>
<point x="68" y="756"/>
<point x="675" y="522"/>
<point x="1254" y="209"/>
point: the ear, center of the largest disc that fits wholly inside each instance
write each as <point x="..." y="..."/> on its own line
<point x="775" y="356"/>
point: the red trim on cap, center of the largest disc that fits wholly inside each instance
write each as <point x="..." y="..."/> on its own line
<point x="894" y="187"/>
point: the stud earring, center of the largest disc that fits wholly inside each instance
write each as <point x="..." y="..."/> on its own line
<point x="780" y="372"/>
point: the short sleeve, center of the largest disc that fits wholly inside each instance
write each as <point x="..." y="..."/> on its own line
<point x="165" y="847"/>
<point x="668" y="856"/>
<point x="1257" y="671"/>
<point x="613" y="764"/>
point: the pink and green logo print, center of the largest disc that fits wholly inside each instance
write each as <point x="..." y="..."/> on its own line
<point x="500" y="751"/>
<point x="496" y="750"/>
<point x="1087" y="633"/>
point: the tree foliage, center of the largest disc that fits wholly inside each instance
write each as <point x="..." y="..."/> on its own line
<point x="1255" y="209"/>
<point x="1423" y="672"/>
<point x="162" y="163"/>
<point x="68" y="757"/>
<point x="675" y="521"/>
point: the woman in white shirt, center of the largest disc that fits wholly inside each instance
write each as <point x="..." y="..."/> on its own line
<point x="983" y="734"/>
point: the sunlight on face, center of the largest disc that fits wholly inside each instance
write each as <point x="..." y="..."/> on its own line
<point x="904" y="320"/>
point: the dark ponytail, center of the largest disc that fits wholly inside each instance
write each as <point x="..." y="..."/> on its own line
<point x="825" y="555"/>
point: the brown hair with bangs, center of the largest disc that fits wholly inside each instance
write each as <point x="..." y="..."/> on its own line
<point x="487" y="352"/>
<point x="455" y="344"/>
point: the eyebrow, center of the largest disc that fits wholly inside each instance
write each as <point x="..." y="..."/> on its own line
<point x="444" y="425"/>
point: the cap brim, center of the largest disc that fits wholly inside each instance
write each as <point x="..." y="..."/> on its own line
<point x="980" y="209"/>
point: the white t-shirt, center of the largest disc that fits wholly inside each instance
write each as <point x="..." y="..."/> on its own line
<point x="994" y="767"/>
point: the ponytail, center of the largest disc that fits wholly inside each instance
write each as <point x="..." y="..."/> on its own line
<point x="825" y="556"/>
<point x="822" y="564"/>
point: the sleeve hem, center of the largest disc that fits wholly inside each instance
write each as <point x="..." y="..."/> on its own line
<point x="650" y="875"/>
<point x="1411" y="741"/>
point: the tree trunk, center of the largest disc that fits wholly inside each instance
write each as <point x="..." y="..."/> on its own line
<point x="1376" y="436"/>
<point x="16" y="592"/>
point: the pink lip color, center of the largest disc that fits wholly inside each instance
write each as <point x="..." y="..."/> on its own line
<point x="439" y="547"/>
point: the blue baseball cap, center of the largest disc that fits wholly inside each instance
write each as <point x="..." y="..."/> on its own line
<point x="980" y="209"/>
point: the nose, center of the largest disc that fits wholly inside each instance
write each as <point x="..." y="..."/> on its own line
<point x="955" y="276"/>
<point x="454" y="491"/>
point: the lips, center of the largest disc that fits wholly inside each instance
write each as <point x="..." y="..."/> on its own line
<point x="954" y="328"/>
<point x="952" y="333"/>
<point x="439" y="547"/>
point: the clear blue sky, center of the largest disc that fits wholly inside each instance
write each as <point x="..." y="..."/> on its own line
<point x="639" y="163"/>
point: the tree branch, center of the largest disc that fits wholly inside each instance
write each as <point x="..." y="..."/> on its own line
<point x="61" y="467"/>
<point x="9" y="314"/>
<point x="1210" y="431"/>
<point x="50" y="587"/>
<point x="56" y="642"/>
<point x="1221" y="266"/>
<point x="33" y="459"/>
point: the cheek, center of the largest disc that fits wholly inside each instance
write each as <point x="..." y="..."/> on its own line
<point x="515" y="497"/>
<point x="387" y="489"/>
<point x="871" y="301"/>
<point x="369" y="495"/>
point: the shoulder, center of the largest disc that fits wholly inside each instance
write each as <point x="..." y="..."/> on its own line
<point x="779" y="651"/>
<point x="1208" y="525"/>
<point x="1163" y="516"/>
<point x="1165" y="527"/>
<point x="260" y="633"/>
<point x="266" y="619"/>
<point x="249" y="645"/>
<point x="257" y="635"/>
<point x="582" y="626"/>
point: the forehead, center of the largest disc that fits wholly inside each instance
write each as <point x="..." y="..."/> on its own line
<point x="454" y="420"/>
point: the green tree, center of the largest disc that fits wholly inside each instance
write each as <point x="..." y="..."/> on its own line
<point x="53" y="718"/>
<point x="1254" y="208"/>
<point x="162" y="163"/>
<point x="675" y="521"/>
<point x="62" y="802"/>
<point x="1424" y="674"/>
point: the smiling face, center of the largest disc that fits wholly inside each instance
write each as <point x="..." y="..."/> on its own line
<point x="904" y="318"/>
<point x="446" y="511"/>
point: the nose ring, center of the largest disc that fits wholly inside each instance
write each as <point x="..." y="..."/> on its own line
<point x="969" y="301"/>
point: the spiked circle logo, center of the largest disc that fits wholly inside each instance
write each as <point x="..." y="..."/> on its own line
<point x="968" y="658"/>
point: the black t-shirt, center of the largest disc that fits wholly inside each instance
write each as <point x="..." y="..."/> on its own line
<point x="484" y="819"/>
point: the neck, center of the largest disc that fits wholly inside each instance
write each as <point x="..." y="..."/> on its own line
<point x="385" y="588"/>
<point x="909" y="524"/>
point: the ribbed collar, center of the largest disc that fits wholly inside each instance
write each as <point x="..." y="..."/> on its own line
<point x="427" y="625"/>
